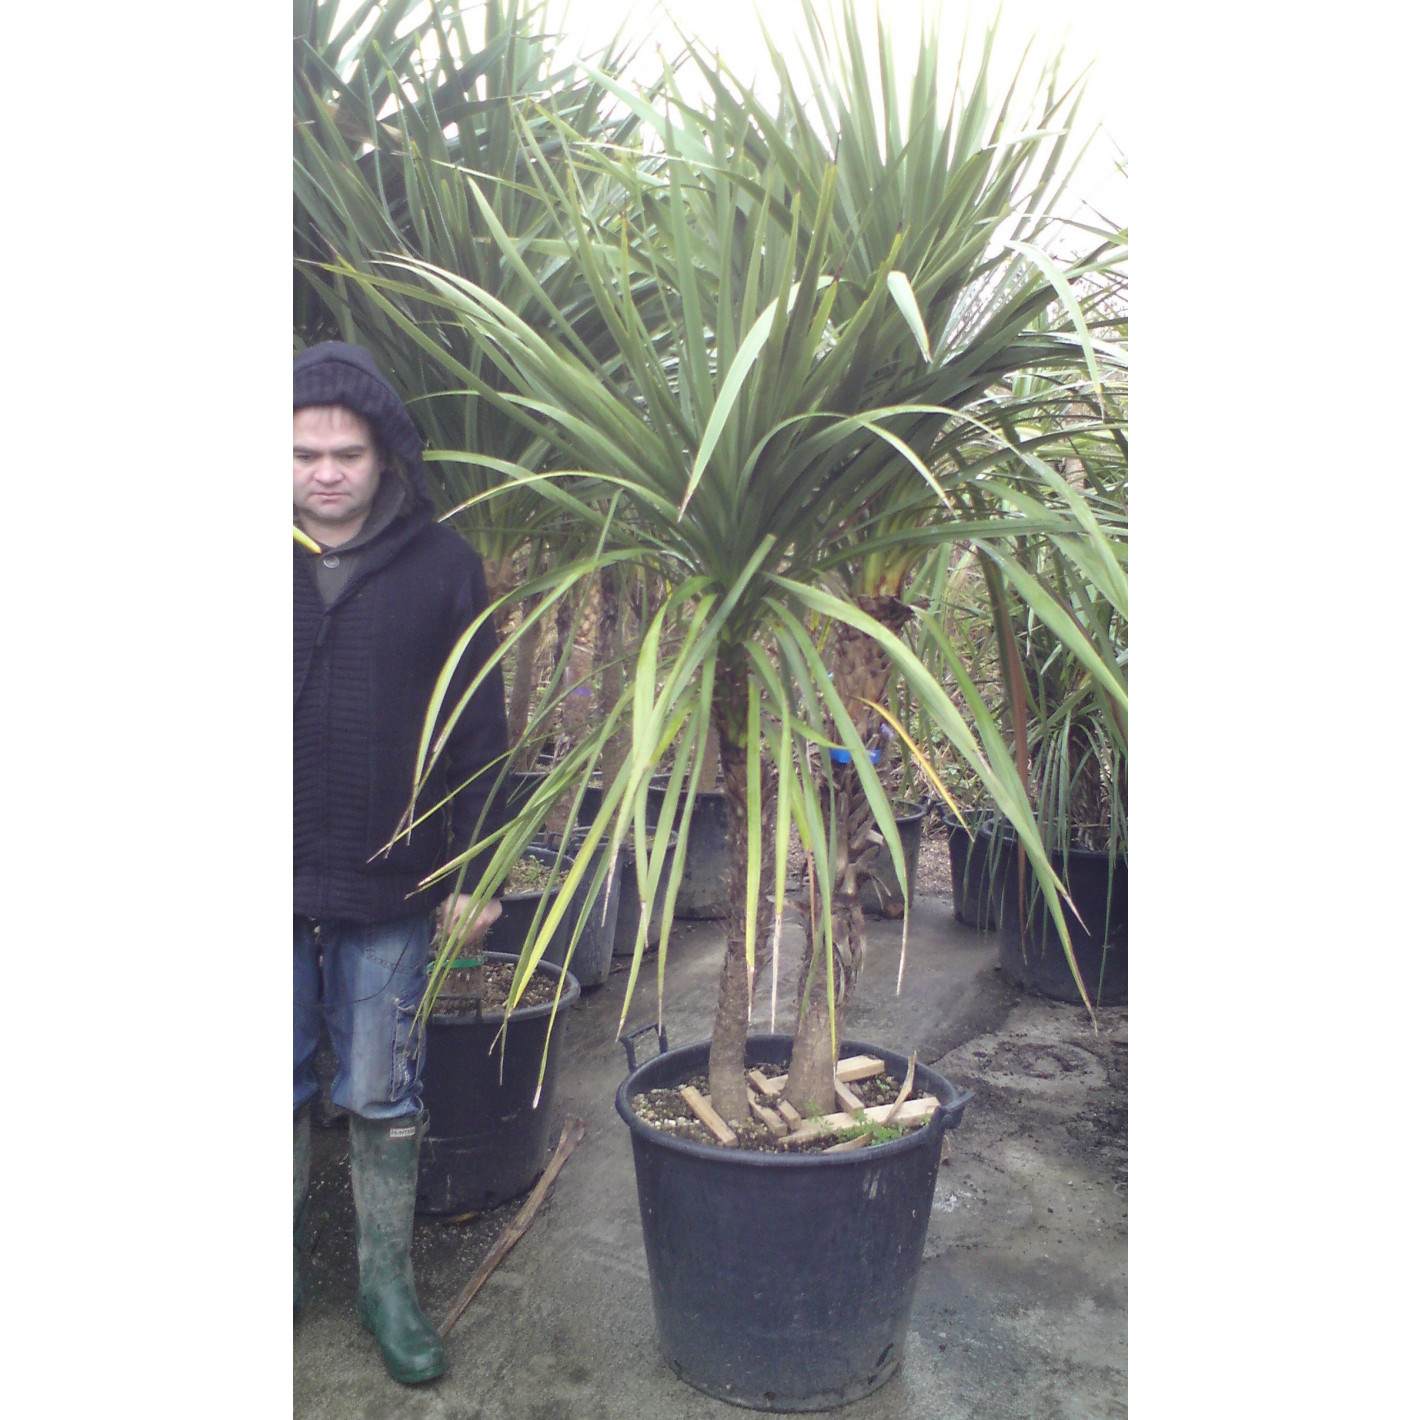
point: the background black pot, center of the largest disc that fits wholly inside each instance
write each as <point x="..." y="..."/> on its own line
<point x="705" y="884"/>
<point x="629" y="914"/>
<point x="1031" y="952"/>
<point x="522" y="784"/>
<point x="486" y="1143"/>
<point x="980" y="869"/>
<point x="881" y="895"/>
<point x="510" y="931"/>
<point x="783" y="1281"/>
<point x="592" y="947"/>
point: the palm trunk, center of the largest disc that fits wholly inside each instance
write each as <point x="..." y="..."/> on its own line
<point x="709" y="767"/>
<point x="861" y="673"/>
<point x="809" y="1087"/>
<point x="612" y="637"/>
<point x="520" y="692"/>
<point x="524" y="664"/>
<point x="728" y="1091"/>
<point x="577" y="680"/>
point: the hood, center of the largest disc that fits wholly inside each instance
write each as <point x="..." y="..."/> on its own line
<point x="336" y="373"/>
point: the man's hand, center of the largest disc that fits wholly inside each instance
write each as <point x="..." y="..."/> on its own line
<point x="455" y="910"/>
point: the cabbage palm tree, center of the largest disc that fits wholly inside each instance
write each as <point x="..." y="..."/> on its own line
<point x="958" y="200"/>
<point x="736" y="439"/>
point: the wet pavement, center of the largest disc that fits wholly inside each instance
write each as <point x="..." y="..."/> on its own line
<point x="1020" y="1309"/>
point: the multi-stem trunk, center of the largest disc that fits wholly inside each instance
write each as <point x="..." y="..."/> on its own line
<point x="612" y="636"/>
<point x="525" y="662"/>
<point x="861" y="674"/>
<point x="728" y="1090"/>
<point x="520" y="692"/>
<point x="578" y="708"/>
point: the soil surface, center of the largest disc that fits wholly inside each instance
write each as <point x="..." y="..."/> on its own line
<point x="457" y="997"/>
<point x="667" y="1110"/>
<point x="529" y="875"/>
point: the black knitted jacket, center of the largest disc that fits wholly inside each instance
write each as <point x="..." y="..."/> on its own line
<point x="364" y="672"/>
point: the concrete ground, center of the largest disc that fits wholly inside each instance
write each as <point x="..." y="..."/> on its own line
<point x="1020" y="1310"/>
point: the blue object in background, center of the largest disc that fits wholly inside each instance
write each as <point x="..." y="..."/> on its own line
<point x="842" y="756"/>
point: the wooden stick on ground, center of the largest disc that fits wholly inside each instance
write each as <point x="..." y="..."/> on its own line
<point x="859" y="1067"/>
<point x="572" y="1132"/>
<point x="852" y="1067"/>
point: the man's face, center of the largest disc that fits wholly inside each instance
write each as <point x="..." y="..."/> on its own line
<point x="335" y="472"/>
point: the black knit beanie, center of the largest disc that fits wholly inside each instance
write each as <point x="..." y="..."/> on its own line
<point x="336" y="373"/>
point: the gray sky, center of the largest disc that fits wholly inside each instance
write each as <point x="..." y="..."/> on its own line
<point x="1092" y="33"/>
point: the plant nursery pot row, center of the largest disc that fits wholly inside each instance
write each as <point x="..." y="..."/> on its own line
<point x="783" y="1282"/>
<point x="1032" y="954"/>
<point x="986" y="895"/>
<point x="522" y="784"/>
<point x="704" y="887"/>
<point x="629" y="914"/>
<point x="617" y="925"/>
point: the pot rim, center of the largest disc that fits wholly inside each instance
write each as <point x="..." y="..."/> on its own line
<point x="947" y="1116"/>
<point x="571" y="990"/>
<point x="549" y="858"/>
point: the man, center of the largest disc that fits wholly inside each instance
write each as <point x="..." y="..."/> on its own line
<point x="377" y="612"/>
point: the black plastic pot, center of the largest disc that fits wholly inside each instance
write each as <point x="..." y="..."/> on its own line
<point x="510" y="931"/>
<point x="705" y="884"/>
<point x="783" y="1281"/>
<point x="486" y="1143"/>
<point x="592" y="946"/>
<point x="590" y="806"/>
<point x="1031" y="952"/>
<point x="980" y="869"/>
<point x="881" y="895"/>
<point x="522" y="784"/>
<point x="629" y="915"/>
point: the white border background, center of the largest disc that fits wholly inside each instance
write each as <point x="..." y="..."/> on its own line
<point x="147" y="779"/>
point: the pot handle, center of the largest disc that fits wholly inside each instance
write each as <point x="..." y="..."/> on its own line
<point x="628" y="1042"/>
<point x="956" y="1106"/>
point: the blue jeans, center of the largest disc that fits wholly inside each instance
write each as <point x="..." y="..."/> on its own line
<point x="368" y="979"/>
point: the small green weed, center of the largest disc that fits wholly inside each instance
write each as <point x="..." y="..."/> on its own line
<point x="877" y="1133"/>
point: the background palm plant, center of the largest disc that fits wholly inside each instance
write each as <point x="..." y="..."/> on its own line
<point x="411" y="134"/>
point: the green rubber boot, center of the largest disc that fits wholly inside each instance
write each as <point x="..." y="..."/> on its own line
<point x="384" y="1165"/>
<point x="301" y="1174"/>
